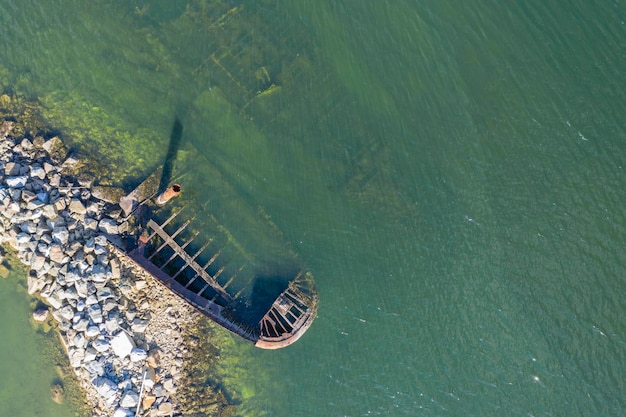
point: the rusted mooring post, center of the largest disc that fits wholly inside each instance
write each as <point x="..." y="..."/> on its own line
<point x="168" y="194"/>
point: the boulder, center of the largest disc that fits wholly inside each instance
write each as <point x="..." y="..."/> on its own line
<point x="108" y="225"/>
<point x="138" y="355"/>
<point x="122" y="344"/>
<point x="95" y="313"/>
<point x="130" y="399"/>
<point x="147" y="401"/>
<point x="101" y="344"/>
<point x="123" y="412"/>
<point x="139" y="325"/>
<point x="81" y="325"/>
<point x="60" y="234"/>
<point x="92" y="331"/>
<point x="77" y="206"/>
<point x="41" y="314"/>
<point x="106" y="388"/>
<point x="165" y="409"/>
<point x="12" y="169"/>
<point x="16" y="182"/>
<point x="37" y="171"/>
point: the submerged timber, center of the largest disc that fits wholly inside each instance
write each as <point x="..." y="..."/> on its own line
<point x="192" y="270"/>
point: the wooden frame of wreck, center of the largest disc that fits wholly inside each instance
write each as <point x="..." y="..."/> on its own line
<point x="287" y="319"/>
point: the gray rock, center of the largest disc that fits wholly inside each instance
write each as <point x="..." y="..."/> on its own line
<point x="106" y="388"/>
<point x="35" y="284"/>
<point x="168" y="384"/>
<point x="76" y="356"/>
<point x="28" y="196"/>
<point x="108" y="225"/>
<point x="41" y="314"/>
<point x="57" y="254"/>
<point x="104" y="293"/>
<point x="61" y="234"/>
<point x="77" y="206"/>
<point x="23" y="238"/>
<point x="98" y="274"/>
<point x="12" y="169"/>
<point x="54" y="301"/>
<point x="81" y="325"/>
<point x="79" y="341"/>
<point x="67" y="312"/>
<point x="159" y="390"/>
<point x="37" y="262"/>
<point x="139" y="325"/>
<point x="48" y="167"/>
<point x="82" y="289"/>
<point x="37" y="171"/>
<point x="165" y="409"/>
<point x="112" y="324"/>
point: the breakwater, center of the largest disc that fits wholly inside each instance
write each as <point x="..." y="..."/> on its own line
<point x="123" y="333"/>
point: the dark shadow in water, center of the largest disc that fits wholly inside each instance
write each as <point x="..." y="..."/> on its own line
<point x="175" y="139"/>
<point x="264" y="292"/>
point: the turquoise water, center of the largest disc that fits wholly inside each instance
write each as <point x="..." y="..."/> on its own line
<point x="451" y="172"/>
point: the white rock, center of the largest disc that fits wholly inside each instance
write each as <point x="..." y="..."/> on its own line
<point x="129" y="399"/>
<point x="138" y="354"/>
<point x="90" y="354"/>
<point x="16" y="182"/>
<point x="122" y="344"/>
<point x="92" y="331"/>
<point x="112" y="325"/>
<point x="101" y="344"/>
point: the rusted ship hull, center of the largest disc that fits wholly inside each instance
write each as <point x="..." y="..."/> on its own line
<point x="285" y="321"/>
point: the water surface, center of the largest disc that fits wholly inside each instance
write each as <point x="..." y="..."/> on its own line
<point x="452" y="174"/>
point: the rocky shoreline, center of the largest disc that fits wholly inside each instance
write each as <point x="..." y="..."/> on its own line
<point x="123" y="332"/>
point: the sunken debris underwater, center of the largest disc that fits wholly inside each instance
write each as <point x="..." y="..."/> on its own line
<point x="271" y="312"/>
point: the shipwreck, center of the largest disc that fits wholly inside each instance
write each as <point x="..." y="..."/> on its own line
<point x="195" y="257"/>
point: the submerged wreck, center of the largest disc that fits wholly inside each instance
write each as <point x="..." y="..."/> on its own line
<point x="198" y="265"/>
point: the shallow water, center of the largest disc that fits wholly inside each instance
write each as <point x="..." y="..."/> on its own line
<point x="28" y="365"/>
<point x="452" y="174"/>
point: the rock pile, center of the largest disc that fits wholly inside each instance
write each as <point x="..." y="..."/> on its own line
<point x="121" y="331"/>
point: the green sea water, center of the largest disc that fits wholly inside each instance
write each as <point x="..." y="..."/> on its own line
<point x="451" y="172"/>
